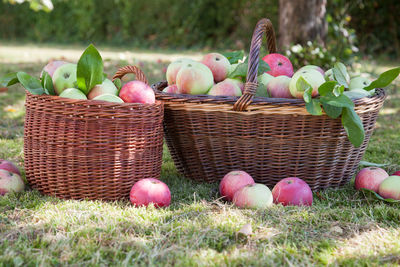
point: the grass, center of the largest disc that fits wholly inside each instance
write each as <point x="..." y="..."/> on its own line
<point x="343" y="227"/>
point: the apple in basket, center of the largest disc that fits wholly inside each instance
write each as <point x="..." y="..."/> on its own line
<point x="10" y="182"/>
<point x="292" y="191"/>
<point x="9" y="166"/>
<point x="218" y="64"/>
<point x="171" y="89"/>
<point x="51" y="67"/>
<point x="313" y="77"/>
<point x="358" y="83"/>
<point x="137" y="92"/>
<point x="64" y="77"/>
<point x="194" y="78"/>
<point x="225" y="88"/>
<point x="279" y="87"/>
<point x="370" y="178"/>
<point x="232" y="182"/>
<point x="312" y="67"/>
<point x="390" y="187"/>
<point x="174" y="68"/>
<point x="238" y="82"/>
<point x="395" y="173"/>
<point x="148" y="191"/>
<point x="255" y="196"/>
<point x="73" y="93"/>
<point x="279" y="65"/>
<point x="106" y="87"/>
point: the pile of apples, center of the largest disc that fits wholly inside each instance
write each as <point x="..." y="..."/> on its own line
<point x="64" y="79"/>
<point x="212" y="76"/>
<point x="378" y="180"/>
<point x="10" y="178"/>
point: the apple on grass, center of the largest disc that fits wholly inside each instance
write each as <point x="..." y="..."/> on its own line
<point x="232" y="182"/>
<point x="225" y="88"/>
<point x="279" y="87"/>
<point x="10" y="182"/>
<point x="52" y="66"/>
<point x="64" y="77"/>
<point x="106" y="87"/>
<point x="279" y="65"/>
<point x="218" y="64"/>
<point x="73" y="93"/>
<point x="148" y="191"/>
<point x="370" y="178"/>
<point x="313" y="77"/>
<point x="9" y="166"/>
<point x="108" y="98"/>
<point x="173" y="69"/>
<point x="194" y="78"/>
<point x="255" y="196"/>
<point x="137" y="92"/>
<point x="390" y="187"/>
<point x="292" y="191"/>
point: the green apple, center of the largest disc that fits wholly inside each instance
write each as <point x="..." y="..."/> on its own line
<point x="313" y="67"/>
<point x="255" y="196"/>
<point x="194" y="78"/>
<point x="109" y="98"/>
<point x="106" y="87"/>
<point x="263" y="79"/>
<point x="64" y="77"/>
<point x="73" y="93"/>
<point x="390" y="187"/>
<point x="359" y="82"/>
<point x="311" y="76"/>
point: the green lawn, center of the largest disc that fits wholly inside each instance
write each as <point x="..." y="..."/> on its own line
<point x="343" y="227"/>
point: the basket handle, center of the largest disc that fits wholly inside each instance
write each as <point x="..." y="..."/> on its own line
<point x="121" y="72"/>
<point x="264" y="26"/>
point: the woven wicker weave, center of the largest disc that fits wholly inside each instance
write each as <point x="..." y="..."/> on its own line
<point x="269" y="138"/>
<point x="76" y="149"/>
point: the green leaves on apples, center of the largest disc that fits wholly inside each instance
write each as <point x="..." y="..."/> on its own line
<point x="234" y="56"/>
<point x="90" y="69"/>
<point x="9" y="79"/>
<point x="47" y="84"/>
<point x="241" y="69"/>
<point x="30" y="83"/>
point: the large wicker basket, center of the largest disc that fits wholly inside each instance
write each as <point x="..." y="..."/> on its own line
<point x="269" y="138"/>
<point x="85" y="149"/>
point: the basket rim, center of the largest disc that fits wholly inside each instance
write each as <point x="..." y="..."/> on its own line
<point x="379" y="96"/>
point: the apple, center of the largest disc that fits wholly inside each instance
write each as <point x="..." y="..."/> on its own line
<point x="64" y="77"/>
<point x="174" y="68"/>
<point x="253" y="196"/>
<point x="359" y="83"/>
<point x="10" y="181"/>
<point x="396" y="173"/>
<point x="279" y="87"/>
<point x="225" y="88"/>
<point x="292" y="191"/>
<point x="218" y="64"/>
<point x="106" y="87"/>
<point x="311" y="76"/>
<point x="51" y="67"/>
<point x="370" y="178"/>
<point x="232" y="182"/>
<point x="73" y="93"/>
<point x="137" y="92"/>
<point x="279" y="65"/>
<point x="9" y="166"/>
<point x="108" y="98"/>
<point x="390" y="187"/>
<point x="194" y="78"/>
<point x="171" y="89"/>
<point x="313" y="67"/>
<point x="148" y="191"/>
<point x="236" y="81"/>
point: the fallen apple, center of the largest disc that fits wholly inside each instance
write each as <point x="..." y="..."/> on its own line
<point x="10" y="182"/>
<point x="148" y="191"/>
<point x="64" y="77"/>
<point x="106" y="87"/>
<point x="9" y="166"/>
<point x="255" y="196"/>
<point x="370" y="178"/>
<point x="279" y="65"/>
<point x="390" y="187"/>
<point x="73" y="93"/>
<point x="218" y="64"/>
<point x="292" y="191"/>
<point x="108" y="98"/>
<point x="232" y="182"/>
<point x="137" y="92"/>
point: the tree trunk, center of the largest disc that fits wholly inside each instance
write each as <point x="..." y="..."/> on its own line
<point x="301" y="21"/>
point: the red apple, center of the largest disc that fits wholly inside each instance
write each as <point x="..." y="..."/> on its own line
<point x="218" y="64"/>
<point x="279" y="87"/>
<point x="255" y="196"/>
<point x="137" y="92"/>
<point x="232" y="182"/>
<point x="52" y="66"/>
<point x="171" y="89"/>
<point x="10" y="181"/>
<point x="370" y="178"/>
<point x="390" y="187"/>
<point x="148" y="191"/>
<point x="174" y="68"/>
<point x="279" y="65"/>
<point x="225" y="88"/>
<point x="292" y="191"/>
<point x="396" y="173"/>
<point x="106" y="87"/>
<point x="9" y="166"/>
<point x="194" y="78"/>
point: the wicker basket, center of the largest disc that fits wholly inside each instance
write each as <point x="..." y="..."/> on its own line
<point x="270" y="138"/>
<point x="85" y="149"/>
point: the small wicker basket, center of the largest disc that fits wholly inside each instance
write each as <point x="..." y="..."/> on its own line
<point x="270" y="138"/>
<point x="85" y="149"/>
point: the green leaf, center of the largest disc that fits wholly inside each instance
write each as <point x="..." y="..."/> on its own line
<point x="314" y="107"/>
<point x="384" y="79"/>
<point x="353" y="126"/>
<point x="326" y="87"/>
<point x="47" y="83"/>
<point x="234" y="56"/>
<point x="9" y="79"/>
<point x="117" y="82"/>
<point x="371" y="164"/>
<point x="303" y="86"/>
<point x="241" y="69"/>
<point x="90" y="69"/>
<point x="340" y="101"/>
<point x="31" y="84"/>
<point x="340" y="74"/>
<point x="262" y="90"/>
<point x="376" y="195"/>
<point x="262" y="67"/>
<point x="332" y="111"/>
<point x="338" y="90"/>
